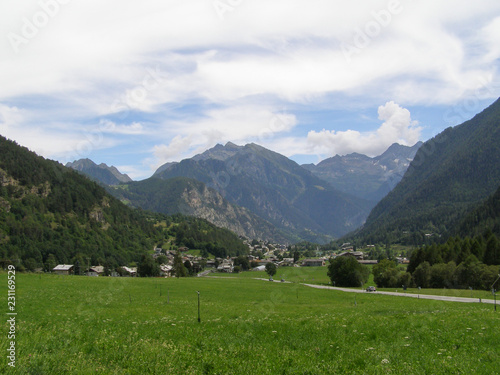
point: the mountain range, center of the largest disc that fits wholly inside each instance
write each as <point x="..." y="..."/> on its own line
<point x="363" y="176"/>
<point x="261" y="194"/>
<point x="275" y="188"/>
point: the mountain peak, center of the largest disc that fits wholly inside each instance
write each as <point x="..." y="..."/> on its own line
<point x="102" y="172"/>
<point x="218" y="152"/>
<point x="363" y="176"/>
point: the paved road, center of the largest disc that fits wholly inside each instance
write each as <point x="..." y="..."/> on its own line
<point x="410" y="295"/>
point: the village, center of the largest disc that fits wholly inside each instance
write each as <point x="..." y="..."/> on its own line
<point x="260" y="254"/>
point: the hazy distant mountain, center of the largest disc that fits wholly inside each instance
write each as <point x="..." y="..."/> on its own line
<point x="274" y="188"/>
<point x="101" y="173"/>
<point x="363" y="176"/>
<point x="450" y="174"/>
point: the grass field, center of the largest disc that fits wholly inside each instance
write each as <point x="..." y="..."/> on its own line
<point x="81" y="325"/>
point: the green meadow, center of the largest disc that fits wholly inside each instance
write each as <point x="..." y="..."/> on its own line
<point x="83" y="325"/>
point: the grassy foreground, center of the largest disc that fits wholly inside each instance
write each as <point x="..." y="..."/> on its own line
<point x="81" y="325"/>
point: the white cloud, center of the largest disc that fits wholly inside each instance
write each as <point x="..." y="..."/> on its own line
<point x="9" y="117"/>
<point x="180" y="145"/>
<point x="107" y="126"/>
<point x="397" y="127"/>
<point x="91" y="59"/>
<point x="239" y="124"/>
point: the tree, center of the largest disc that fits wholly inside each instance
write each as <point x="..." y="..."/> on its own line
<point x="442" y="275"/>
<point x="147" y="267"/>
<point x="386" y="274"/>
<point x="422" y="275"/>
<point x="189" y="267"/>
<point x="271" y="269"/>
<point x="179" y="268"/>
<point x="346" y="271"/>
<point x="242" y="262"/>
<point x="50" y="263"/>
<point x="161" y="259"/>
<point x="492" y="253"/>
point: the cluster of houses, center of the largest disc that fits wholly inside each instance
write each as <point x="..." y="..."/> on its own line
<point x="198" y="264"/>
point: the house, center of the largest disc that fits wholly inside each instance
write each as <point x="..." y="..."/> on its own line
<point x="211" y="264"/>
<point x="313" y="262"/>
<point x="356" y="254"/>
<point x="129" y="271"/>
<point x="166" y="270"/>
<point x="225" y="266"/>
<point x="287" y="262"/>
<point x="367" y="261"/>
<point x="95" y="271"/>
<point x="63" y="269"/>
<point x="259" y="268"/>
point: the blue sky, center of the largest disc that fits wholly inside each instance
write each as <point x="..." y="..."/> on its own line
<point x="137" y="84"/>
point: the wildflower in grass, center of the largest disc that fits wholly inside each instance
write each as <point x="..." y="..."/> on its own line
<point x="385" y="361"/>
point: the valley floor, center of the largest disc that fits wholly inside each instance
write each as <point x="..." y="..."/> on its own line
<point x="109" y="325"/>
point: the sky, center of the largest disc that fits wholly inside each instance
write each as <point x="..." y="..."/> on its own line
<point x="138" y="84"/>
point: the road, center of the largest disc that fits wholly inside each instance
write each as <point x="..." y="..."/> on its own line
<point x="410" y="295"/>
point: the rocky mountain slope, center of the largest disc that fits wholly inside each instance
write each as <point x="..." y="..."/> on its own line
<point x="193" y="198"/>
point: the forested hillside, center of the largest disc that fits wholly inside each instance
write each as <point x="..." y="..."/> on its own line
<point x="51" y="214"/>
<point x="450" y="175"/>
<point x="486" y="217"/>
